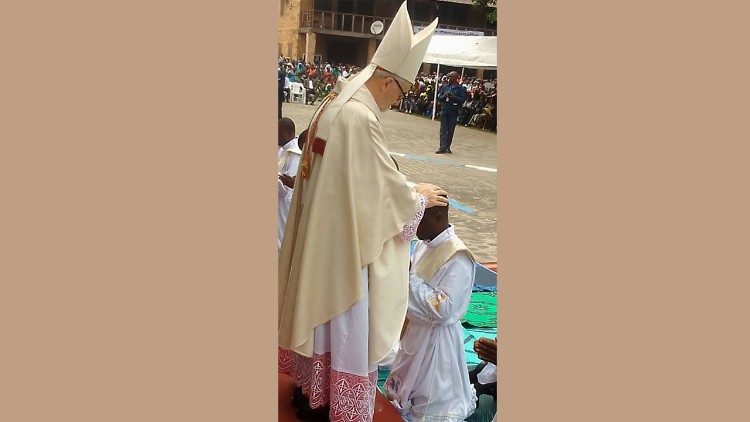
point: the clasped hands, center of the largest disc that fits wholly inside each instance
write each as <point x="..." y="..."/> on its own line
<point x="287" y="180"/>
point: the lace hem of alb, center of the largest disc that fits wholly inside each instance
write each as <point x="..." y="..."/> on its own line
<point x="351" y="397"/>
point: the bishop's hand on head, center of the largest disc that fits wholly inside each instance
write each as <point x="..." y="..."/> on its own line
<point x="435" y="195"/>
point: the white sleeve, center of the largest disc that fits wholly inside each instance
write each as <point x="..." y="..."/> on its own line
<point x="292" y="164"/>
<point x="436" y="305"/>
<point x="284" y="191"/>
<point x="488" y="374"/>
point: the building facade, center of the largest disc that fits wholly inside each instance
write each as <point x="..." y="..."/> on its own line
<point x="349" y="31"/>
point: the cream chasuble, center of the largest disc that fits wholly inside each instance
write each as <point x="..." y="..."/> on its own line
<point x="347" y="217"/>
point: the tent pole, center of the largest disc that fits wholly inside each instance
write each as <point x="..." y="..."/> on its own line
<point x="462" y="75"/>
<point x="434" y="101"/>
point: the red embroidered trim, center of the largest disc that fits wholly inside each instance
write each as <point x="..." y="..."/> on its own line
<point x="319" y="383"/>
<point x="286" y="362"/>
<point x="351" y="397"/>
<point x="302" y="373"/>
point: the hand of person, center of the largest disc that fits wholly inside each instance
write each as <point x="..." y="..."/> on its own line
<point x="433" y="194"/>
<point x="486" y="350"/>
<point x="288" y="181"/>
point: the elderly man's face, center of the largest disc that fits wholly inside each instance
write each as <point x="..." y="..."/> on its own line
<point x="394" y="91"/>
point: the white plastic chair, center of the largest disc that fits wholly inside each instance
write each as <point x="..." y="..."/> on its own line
<point x="298" y="93"/>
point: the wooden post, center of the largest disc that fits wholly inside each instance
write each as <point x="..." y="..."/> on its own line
<point x="372" y="46"/>
<point x="310" y="47"/>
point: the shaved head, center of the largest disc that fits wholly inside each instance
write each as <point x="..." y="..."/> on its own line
<point x="286" y="124"/>
<point x="286" y="130"/>
<point x="434" y="222"/>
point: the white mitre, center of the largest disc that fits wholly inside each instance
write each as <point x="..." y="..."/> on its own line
<point x="401" y="52"/>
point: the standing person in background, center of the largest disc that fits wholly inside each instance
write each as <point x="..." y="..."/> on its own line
<point x="282" y="82"/>
<point x="451" y="97"/>
<point x="289" y="159"/>
<point x="287" y="86"/>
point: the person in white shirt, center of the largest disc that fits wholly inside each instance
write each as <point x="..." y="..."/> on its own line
<point x="429" y="379"/>
<point x="289" y="159"/>
<point x="287" y="87"/>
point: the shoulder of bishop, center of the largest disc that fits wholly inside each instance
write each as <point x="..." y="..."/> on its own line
<point x="355" y="108"/>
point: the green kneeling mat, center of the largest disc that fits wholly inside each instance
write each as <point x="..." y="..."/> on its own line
<point x="482" y="310"/>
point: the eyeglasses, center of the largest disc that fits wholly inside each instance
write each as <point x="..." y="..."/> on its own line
<point x="403" y="94"/>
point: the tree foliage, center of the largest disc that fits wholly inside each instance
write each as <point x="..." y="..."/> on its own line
<point x="482" y="4"/>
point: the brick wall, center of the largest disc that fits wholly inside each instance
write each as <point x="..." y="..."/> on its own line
<point x="289" y="20"/>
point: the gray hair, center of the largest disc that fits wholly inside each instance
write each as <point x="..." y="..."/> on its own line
<point x="382" y="74"/>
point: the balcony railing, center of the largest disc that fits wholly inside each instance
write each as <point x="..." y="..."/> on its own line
<point x="350" y="22"/>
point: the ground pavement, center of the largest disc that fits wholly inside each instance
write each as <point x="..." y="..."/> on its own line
<point x="468" y="175"/>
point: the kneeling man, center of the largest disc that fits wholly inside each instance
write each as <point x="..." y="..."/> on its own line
<point x="429" y="379"/>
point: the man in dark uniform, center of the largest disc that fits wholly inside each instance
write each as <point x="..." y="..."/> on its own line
<point x="282" y="77"/>
<point x="451" y="97"/>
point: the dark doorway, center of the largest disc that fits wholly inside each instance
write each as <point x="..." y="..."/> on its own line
<point x="349" y="51"/>
<point x="365" y="7"/>
<point x="360" y="7"/>
<point x="346" y="6"/>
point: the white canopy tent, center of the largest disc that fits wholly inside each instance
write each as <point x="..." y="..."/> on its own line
<point x="476" y="52"/>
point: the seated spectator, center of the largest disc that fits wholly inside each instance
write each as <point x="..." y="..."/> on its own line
<point x="477" y="108"/>
<point x="484" y="376"/>
<point x="287" y="87"/>
<point x="467" y="110"/>
<point x="487" y="114"/>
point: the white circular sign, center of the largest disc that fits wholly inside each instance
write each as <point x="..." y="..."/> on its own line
<point x="376" y="27"/>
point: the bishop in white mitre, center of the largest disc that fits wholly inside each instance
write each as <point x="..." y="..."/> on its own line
<point x="344" y="259"/>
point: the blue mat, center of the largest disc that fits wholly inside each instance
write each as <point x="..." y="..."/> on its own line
<point x="485" y="280"/>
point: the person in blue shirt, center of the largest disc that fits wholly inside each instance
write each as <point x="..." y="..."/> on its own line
<point x="451" y="97"/>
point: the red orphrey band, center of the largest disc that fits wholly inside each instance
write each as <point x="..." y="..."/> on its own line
<point x="317" y="145"/>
